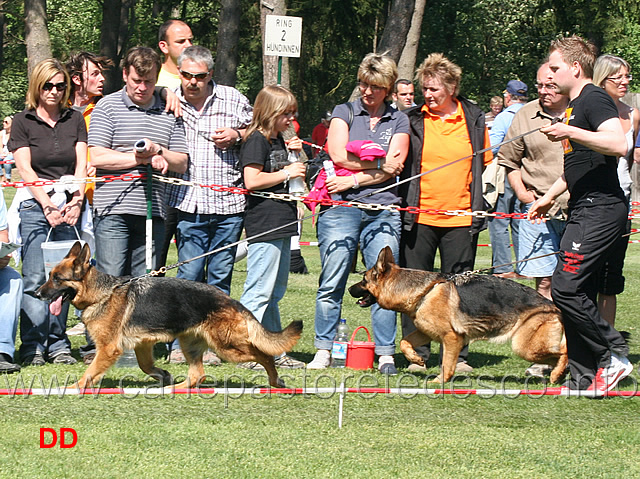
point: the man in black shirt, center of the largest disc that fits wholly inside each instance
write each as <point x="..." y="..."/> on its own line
<point x="593" y="138"/>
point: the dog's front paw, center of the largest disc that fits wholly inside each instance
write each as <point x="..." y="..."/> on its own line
<point x="437" y="379"/>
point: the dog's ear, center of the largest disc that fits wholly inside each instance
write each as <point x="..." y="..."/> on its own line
<point x="82" y="261"/>
<point x="75" y="250"/>
<point x="385" y="260"/>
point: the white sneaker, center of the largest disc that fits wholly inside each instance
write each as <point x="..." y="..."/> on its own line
<point x="321" y="360"/>
<point x="607" y="378"/>
<point x="77" y="330"/>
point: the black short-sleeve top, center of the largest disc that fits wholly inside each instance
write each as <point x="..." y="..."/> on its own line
<point x="53" y="152"/>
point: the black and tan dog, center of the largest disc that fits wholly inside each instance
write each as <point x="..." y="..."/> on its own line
<point x="123" y="313"/>
<point x="456" y="309"/>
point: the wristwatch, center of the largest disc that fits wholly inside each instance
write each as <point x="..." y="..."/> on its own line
<point x="160" y="151"/>
<point x="239" y="139"/>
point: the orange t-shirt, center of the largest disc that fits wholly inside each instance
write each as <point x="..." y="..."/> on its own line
<point x="448" y="188"/>
<point x="87" y="119"/>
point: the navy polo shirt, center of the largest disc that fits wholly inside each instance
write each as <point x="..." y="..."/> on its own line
<point x="391" y="123"/>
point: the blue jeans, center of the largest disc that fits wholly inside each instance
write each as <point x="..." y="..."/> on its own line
<point x="121" y="241"/>
<point x="40" y="331"/>
<point x="499" y="231"/>
<point x="340" y="230"/>
<point x="11" y="290"/>
<point x="266" y="283"/>
<point x="199" y="234"/>
<point x="8" y="167"/>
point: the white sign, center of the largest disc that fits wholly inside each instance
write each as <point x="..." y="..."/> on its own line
<point x="283" y="36"/>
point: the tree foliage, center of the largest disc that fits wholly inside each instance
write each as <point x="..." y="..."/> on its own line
<point x="492" y="40"/>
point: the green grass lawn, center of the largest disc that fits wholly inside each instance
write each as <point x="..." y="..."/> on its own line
<point x="282" y="436"/>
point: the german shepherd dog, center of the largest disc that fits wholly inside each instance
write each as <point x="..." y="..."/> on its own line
<point x="456" y="309"/>
<point x="137" y="313"/>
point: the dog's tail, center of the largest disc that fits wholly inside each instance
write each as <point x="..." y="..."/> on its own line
<point x="274" y="344"/>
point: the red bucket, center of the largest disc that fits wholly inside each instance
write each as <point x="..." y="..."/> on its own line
<point x="360" y="354"/>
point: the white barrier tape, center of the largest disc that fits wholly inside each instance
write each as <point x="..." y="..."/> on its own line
<point x="406" y="392"/>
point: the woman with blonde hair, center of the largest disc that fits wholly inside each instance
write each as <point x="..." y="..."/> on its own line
<point x="48" y="141"/>
<point x="340" y="230"/>
<point x="265" y="167"/>
<point x="613" y="74"/>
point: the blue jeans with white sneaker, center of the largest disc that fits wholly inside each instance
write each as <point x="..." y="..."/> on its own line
<point x="11" y="290"/>
<point x="266" y="283"/>
<point x="40" y="331"/>
<point x="340" y="230"/>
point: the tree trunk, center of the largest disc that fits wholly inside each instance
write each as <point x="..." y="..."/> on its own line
<point x="395" y="33"/>
<point x="114" y="38"/>
<point x="1" y="40"/>
<point x="226" y="66"/>
<point x="36" y="34"/>
<point x="407" y="63"/>
<point x="396" y="29"/>
<point x="270" y="63"/>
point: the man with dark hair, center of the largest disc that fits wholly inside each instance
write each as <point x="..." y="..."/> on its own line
<point x="403" y="94"/>
<point x="119" y="121"/>
<point x="173" y="37"/>
<point x="87" y="81"/>
<point x="593" y="139"/>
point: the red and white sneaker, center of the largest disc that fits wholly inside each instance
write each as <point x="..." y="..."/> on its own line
<point x="607" y="378"/>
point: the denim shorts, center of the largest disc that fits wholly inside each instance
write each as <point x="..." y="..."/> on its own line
<point x="537" y="240"/>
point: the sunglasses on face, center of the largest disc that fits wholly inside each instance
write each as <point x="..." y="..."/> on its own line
<point x="374" y="88"/>
<point x="197" y="76"/>
<point x="48" y="86"/>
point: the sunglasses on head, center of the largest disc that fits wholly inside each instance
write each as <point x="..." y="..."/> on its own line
<point x="197" y="76"/>
<point x="48" y="86"/>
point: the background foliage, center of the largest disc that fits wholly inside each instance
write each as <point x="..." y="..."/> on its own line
<point x="492" y="40"/>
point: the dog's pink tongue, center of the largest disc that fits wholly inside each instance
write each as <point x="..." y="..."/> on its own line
<point x="56" y="306"/>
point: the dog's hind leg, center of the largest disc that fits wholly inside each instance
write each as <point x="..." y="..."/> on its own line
<point x="270" y="366"/>
<point x="563" y="361"/>
<point x="541" y="339"/>
<point x="412" y="341"/>
<point x="144" y="355"/>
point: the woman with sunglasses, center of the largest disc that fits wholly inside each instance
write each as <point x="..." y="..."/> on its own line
<point x="48" y="141"/>
<point x="613" y="74"/>
<point x="340" y="230"/>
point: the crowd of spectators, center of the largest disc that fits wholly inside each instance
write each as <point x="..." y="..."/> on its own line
<point x="512" y="159"/>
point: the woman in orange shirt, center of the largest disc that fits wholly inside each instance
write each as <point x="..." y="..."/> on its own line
<point x="447" y="127"/>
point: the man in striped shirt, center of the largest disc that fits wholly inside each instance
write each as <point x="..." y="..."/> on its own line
<point x="118" y="121"/>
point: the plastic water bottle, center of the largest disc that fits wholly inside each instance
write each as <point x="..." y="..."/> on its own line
<point x="331" y="172"/>
<point x="339" y="351"/>
<point x="127" y="359"/>
<point x="296" y="185"/>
